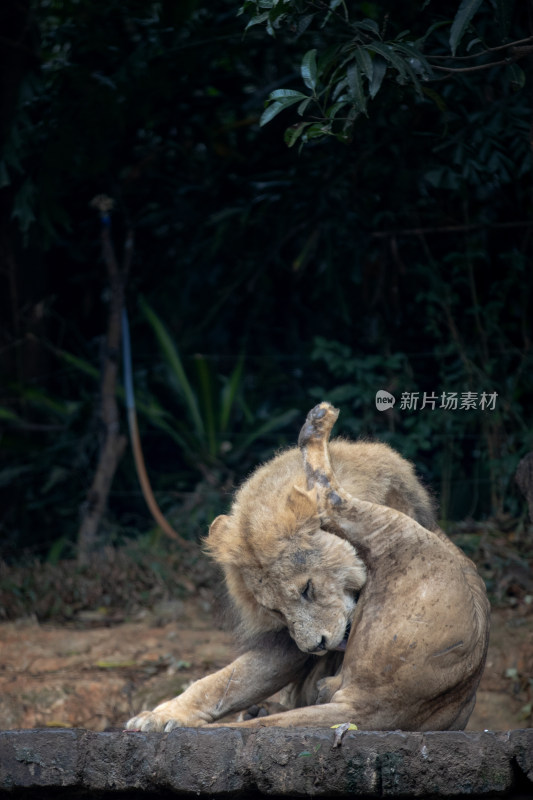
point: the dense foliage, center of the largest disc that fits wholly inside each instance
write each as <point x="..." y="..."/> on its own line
<point x="354" y="55"/>
<point x="398" y="258"/>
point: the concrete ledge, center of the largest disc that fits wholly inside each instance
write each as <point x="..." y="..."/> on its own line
<point x="291" y="762"/>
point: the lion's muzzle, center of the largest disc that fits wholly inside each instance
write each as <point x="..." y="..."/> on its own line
<point x="342" y="645"/>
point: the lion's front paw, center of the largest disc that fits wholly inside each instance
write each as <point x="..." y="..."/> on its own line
<point x="166" y="717"/>
<point x="146" y="721"/>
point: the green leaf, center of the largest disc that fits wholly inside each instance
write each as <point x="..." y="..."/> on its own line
<point x="289" y="98"/>
<point x="271" y="112"/>
<point x="333" y="110"/>
<point x="257" y="20"/>
<point x="302" y="108"/>
<point x="473" y="42"/>
<point x="355" y="85"/>
<point x="304" y="23"/>
<point x="436" y="25"/>
<point x="416" y="60"/>
<point x="378" y="73"/>
<point x="411" y="73"/>
<point x="368" y="25"/>
<point x="309" y="69"/>
<point x="365" y="63"/>
<point x="293" y="133"/>
<point x="279" y="9"/>
<point x="316" y="131"/>
<point x="339" y="89"/>
<point x="466" y="11"/>
<point x="286" y="94"/>
<point x="389" y="55"/>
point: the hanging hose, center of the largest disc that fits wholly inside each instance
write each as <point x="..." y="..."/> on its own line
<point x="136" y="439"/>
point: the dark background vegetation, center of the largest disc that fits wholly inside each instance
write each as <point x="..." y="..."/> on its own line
<point x="399" y="260"/>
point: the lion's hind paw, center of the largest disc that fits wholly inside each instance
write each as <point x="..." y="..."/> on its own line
<point x="265" y="709"/>
<point x="318" y="424"/>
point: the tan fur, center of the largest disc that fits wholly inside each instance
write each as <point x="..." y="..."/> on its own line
<point x="271" y="520"/>
<point x="306" y="533"/>
<point x="276" y="540"/>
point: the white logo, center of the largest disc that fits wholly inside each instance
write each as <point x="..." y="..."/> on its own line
<point x="384" y="400"/>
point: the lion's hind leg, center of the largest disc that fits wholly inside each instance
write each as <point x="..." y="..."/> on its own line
<point x="308" y="690"/>
<point x="325" y="715"/>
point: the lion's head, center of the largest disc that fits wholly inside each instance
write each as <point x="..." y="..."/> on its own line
<point x="286" y="572"/>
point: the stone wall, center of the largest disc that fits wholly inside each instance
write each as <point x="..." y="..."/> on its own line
<point x="296" y="762"/>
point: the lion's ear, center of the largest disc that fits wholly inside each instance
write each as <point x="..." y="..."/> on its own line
<point x="219" y="543"/>
<point x="303" y="503"/>
<point x="216" y="530"/>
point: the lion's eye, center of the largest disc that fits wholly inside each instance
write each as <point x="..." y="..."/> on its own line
<point x="306" y="591"/>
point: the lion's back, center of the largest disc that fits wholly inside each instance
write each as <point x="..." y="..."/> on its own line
<point x="371" y="471"/>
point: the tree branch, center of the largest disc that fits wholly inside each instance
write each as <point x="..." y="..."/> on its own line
<point x="519" y="53"/>
<point x="516" y="44"/>
<point x="449" y="229"/>
<point x="113" y="442"/>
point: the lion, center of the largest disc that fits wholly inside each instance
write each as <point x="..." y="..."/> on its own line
<point x="350" y="598"/>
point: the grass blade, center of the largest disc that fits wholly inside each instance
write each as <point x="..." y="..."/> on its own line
<point x="172" y="357"/>
<point x="206" y="400"/>
<point x="229" y="394"/>
<point x="270" y="425"/>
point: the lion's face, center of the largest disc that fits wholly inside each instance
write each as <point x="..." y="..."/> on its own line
<point x="283" y="571"/>
<point x="311" y="589"/>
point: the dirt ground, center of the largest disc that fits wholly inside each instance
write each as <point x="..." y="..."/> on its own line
<point x="96" y="674"/>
